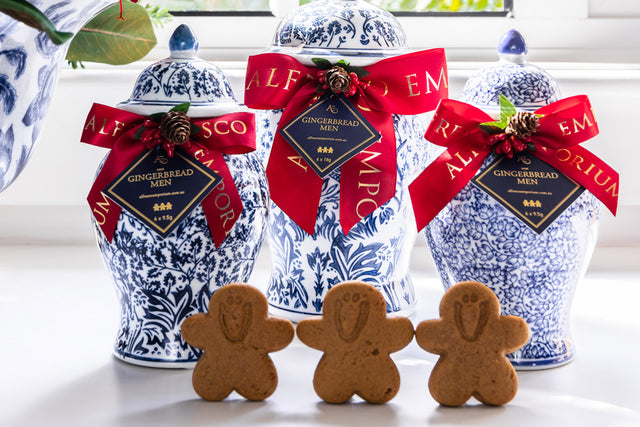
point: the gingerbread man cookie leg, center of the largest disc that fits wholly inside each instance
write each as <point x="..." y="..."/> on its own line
<point x="356" y="338"/>
<point x="472" y="339"/>
<point x="236" y="336"/>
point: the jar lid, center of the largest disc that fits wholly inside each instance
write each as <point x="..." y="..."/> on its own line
<point x="527" y="86"/>
<point x="180" y="78"/>
<point x="341" y="28"/>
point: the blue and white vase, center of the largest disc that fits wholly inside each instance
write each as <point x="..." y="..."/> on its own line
<point x="377" y="249"/>
<point x="29" y="66"/>
<point x="162" y="281"/>
<point x="475" y="238"/>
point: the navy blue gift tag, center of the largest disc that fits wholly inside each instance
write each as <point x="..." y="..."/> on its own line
<point x="328" y="133"/>
<point x="160" y="191"/>
<point x="531" y="189"/>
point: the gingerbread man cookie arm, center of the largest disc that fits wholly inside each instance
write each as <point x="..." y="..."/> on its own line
<point x="399" y="333"/>
<point x="313" y="332"/>
<point x="191" y="330"/>
<point x="515" y="332"/>
<point x="280" y="331"/>
<point x="431" y="335"/>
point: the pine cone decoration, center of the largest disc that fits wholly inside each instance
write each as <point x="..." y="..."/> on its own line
<point x="522" y="124"/>
<point x="175" y="127"/>
<point x="338" y="79"/>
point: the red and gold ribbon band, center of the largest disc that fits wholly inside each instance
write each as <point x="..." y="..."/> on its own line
<point x="113" y="128"/>
<point x="563" y="125"/>
<point x="407" y="84"/>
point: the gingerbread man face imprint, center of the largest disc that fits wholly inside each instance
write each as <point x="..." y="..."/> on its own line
<point x="471" y="316"/>
<point x="352" y="312"/>
<point x="235" y="318"/>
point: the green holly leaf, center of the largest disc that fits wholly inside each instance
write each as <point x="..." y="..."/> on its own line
<point x="156" y="117"/>
<point x="360" y="72"/>
<point x="195" y="129"/>
<point x="491" y="127"/>
<point x="322" y="63"/>
<point x="182" y="108"/>
<point x="507" y="109"/>
<point x="139" y="132"/>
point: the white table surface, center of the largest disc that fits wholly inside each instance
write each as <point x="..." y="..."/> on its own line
<point x="58" y="318"/>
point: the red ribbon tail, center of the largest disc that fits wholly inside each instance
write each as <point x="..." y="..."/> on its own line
<point x="105" y="211"/>
<point x="586" y="169"/>
<point x="223" y="206"/>
<point x="439" y="183"/>
<point x="299" y="202"/>
<point x="368" y="180"/>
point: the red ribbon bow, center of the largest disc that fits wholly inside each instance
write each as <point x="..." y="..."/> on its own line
<point x="407" y="84"/>
<point x="563" y="125"/>
<point x="113" y="128"/>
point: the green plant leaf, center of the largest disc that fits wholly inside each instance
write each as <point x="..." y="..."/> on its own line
<point x="159" y="15"/>
<point x="507" y="109"/>
<point x="182" y="108"/>
<point x="360" y="72"/>
<point x="109" y="40"/>
<point x="156" y="117"/>
<point x="322" y="63"/>
<point x="139" y="132"/>
<point x="195" y="129"/>
<point x="491" y="127"/>
<point x="25" y="12"/>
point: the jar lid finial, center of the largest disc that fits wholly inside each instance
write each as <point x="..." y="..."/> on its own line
<point x="183" y="43"/>
<point x="512" y="47"/>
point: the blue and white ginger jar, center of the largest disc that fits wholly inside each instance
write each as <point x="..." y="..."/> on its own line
<point x="377" y="249"/>
<point x="162" y="281"/>
<point x="475" y="238"/>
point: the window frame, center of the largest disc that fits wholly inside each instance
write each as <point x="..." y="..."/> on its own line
<point x="555" y="32"/>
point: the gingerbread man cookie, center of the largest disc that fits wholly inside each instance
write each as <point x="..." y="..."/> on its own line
<point x="236" y="335"/>
<point x="472" y="339"/>
<point x="356" y="337"/>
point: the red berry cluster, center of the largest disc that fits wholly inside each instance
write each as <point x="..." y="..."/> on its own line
<point x="349" y="91"/>
<point x="508" y="144"/>
<point x="152" y="137"/>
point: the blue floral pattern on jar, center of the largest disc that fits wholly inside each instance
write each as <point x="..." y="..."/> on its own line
<point x="194" y="81"/>
<point x="340" y="25"/>
<point x="526" y="86"/>
<point x="29" y="68"/>
<point x="160" y="282"/>
<point x="376" y="250"/>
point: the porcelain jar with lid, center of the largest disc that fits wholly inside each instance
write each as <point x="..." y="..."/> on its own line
<point x="475" y="237"/>
<point x="355" y="222"/>
<point x="161" y="281"/>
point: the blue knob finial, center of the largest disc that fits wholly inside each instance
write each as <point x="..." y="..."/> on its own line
<point x="183" y="43"/>
<point x="512" y="43"/>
